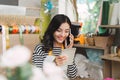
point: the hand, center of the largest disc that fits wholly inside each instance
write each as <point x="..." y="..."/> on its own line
<point x="71" y="41"/>
<point x="60" y="60"/>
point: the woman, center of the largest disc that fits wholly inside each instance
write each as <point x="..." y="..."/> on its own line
<point x="57" y="37"/>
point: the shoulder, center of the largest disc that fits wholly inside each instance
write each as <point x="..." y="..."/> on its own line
<point x="38" y="47"/>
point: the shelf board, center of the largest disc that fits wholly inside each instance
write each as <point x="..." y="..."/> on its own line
<point x="35" y="8"/>
<point x="110" y="26"/>
<point x="30" y="40"/>
<point x="108" y="57"/>
<point x="86" y="46"/>
<point x="17" y="19"/>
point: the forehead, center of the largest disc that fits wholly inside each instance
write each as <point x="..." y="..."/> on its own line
<point x="64" y="26"/>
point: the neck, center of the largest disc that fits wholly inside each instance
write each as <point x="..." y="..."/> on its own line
<point x="58" y="44"/>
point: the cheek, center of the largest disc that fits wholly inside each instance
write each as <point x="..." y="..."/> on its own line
<point x="56" y="34"/>
<point x="67" y="35"/>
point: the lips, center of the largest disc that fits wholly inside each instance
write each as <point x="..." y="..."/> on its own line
<point x="60" y="38"/>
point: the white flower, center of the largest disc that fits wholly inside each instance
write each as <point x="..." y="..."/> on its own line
<point x="2" y="77"/>
<point x="51" y="69"/>
<point x="37" y="74"/>
<point x="16" y="56"/>
<point x="53" y="72"/>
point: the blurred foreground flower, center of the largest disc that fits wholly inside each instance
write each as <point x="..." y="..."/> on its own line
<point x="15" y="62"/>
<point x="2" y="77"/>
<point x="37" y="74"/>
<point x="53" y="72"/>
<point x="16" y="56"/>
<point x="15" y="65"/>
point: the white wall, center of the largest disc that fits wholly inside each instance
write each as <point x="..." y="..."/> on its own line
<point x="66" y="7"/>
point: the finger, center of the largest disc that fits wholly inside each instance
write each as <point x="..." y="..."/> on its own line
<point x="61" y="58"/>
<point x="71" y="36"/>
<point x="59" y="62"/>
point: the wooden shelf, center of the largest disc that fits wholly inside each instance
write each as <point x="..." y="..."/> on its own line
<point x="30" y="40"/>
<point x="35" y="8"/>
<point x="86" y="46"/>
<point x="17" y="19"/>
<point x="109" y="57"/>
<point x="110" y="26"/>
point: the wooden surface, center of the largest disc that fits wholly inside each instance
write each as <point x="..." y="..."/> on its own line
<point x="78" y="78"/>
<point x="30" y="40"/>
<point x="110" y="26"/>
<point x="109" y="57"/>
<point x="87" y="46"/>
<point x="17" y="19"/>
<point x="112" y="65"/>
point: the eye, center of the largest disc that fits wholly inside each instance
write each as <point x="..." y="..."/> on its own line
<point x="58" y="30"/>
<point x="67" y="31"/>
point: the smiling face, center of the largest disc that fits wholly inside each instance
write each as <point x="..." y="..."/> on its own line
<point x="61" y="33"/>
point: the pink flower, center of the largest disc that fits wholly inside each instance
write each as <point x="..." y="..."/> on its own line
<point x="109" y="79"/>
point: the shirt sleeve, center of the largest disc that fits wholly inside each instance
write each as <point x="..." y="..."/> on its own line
<point x="72" y="71"/>
<point x="38" y="56"/>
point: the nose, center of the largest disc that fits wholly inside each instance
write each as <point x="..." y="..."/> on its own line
<point x="63" y="33"/>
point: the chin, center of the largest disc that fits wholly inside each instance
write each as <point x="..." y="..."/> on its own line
<point x="60" y="41"/>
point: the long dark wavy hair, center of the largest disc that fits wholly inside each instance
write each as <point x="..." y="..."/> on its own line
<point x="55" y="23"/>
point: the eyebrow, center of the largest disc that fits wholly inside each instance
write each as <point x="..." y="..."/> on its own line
<point x="65" y="29"/>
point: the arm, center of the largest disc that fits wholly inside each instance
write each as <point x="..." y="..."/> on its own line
<point x="38" y="56"/>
